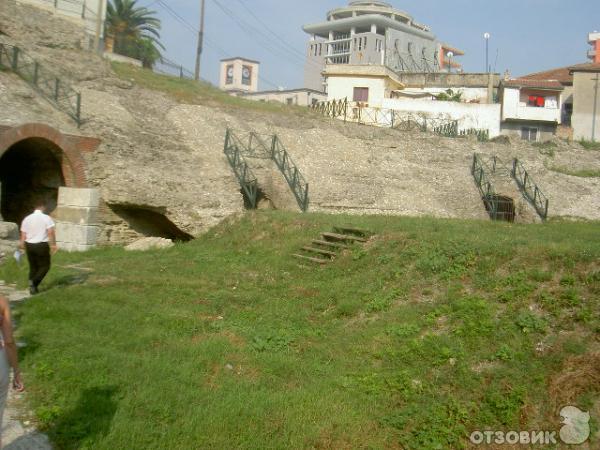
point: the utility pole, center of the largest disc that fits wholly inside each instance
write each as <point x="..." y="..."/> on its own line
<point x="99" y="17"/>
<point x="597" y="80"/>
<point x="200" y="40"/>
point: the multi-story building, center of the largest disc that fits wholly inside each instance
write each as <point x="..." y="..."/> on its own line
<point x="368" y="32"/>
<point x="594" y="52"/>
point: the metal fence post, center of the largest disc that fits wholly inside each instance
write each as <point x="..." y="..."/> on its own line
<point x="273" y="147"/>
<point x="36" y="70"/>
<point x="15" y="59"/>
<point x="78" y="109"/>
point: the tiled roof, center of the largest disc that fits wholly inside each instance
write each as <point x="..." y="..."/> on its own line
<point x="589" y="67"/>
<point x="540" y="84"/>
<point x="562" y="74"/>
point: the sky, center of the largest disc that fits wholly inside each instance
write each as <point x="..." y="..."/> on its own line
<point x="526" y="35"/>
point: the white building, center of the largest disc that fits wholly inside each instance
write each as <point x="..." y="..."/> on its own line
<point x="297" y="97"/>
<point x="531" y="109"/>
<point x="239" y="75"/>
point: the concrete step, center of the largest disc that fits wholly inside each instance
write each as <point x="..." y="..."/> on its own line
<point x="320" y="251"/>
<point x="342" y="237"/>
<point x="311" y="259"/>
<point x="361" y="232"/>
<point x="329" y="244"/>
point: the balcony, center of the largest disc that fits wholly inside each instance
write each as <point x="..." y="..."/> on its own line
<point x="592" y="53"/>
<point x="593" y="37"/>
<point x="535" y="114"/>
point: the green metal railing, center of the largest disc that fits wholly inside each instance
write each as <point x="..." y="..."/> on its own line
<point x="292" y="175"/>
<point x="485" y="186"/>
<point x="254" y="145"/>
<point x="405" y="121"/>
<point x="233" y="150"/>
<point x="44" y="81"/>
<point x="529" y="189"/>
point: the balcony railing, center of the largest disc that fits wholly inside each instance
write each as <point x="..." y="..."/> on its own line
<point x="536" y="114"/>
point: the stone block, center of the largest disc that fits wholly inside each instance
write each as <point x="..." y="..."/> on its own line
<point x="70" y="247"/>
<point x="9" y="231"/>
<point x="76" y="215"/>
<point x="78" y="197"/>
<point x="76" y="234"/>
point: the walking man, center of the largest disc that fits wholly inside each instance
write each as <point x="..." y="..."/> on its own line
<point x="38" y="238"/>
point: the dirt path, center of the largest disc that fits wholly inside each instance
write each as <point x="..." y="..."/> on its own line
<point x="18" y="434"/>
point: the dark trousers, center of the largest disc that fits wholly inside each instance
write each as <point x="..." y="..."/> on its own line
<point x="38" y="256"/>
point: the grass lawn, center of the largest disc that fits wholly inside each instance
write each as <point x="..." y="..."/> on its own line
<point x="434" y="329"/>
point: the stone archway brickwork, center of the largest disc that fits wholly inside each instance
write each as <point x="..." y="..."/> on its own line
<point x="73" y="148"/>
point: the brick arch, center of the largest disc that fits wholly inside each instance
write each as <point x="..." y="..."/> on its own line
<point x="71" y="147"/>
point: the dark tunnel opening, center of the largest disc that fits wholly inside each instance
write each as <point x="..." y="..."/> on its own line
<point x="30" y="171"/>
<point x="150" y="223"/>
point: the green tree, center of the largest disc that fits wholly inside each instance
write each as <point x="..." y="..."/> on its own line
<point x="135" y="31"/>
<point x="450" y="96"/>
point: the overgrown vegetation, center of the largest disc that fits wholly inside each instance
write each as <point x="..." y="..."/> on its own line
<point x="547" y="148"/>
<point x="432" y="330"/>
<point x="590" y="145"/>
<point x="582" y="173"/>
<point x="193" y="92"/>
<point x="450" y="96"/>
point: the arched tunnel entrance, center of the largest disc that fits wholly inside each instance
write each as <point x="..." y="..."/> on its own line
<point x="30" y="170"/>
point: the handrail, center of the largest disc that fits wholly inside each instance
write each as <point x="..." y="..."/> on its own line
<point x="485" y="186"/>
<point x="292" y="175"/>
<point x="529" y="189"/>
<point x="246" y="178"/>
<point x="44" y="81"/>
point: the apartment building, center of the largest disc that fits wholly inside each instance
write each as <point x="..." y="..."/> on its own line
<point x="368" y="32"/>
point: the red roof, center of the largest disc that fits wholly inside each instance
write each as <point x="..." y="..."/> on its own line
<point x="539" y="84"/>
<point x="562" y="74"/>
<point x="589" y="67"/>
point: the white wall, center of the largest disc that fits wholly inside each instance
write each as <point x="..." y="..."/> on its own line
<point x="514" y="106"/>
<point x="468" y="115"/>
<point x="468" y="94"/>
<point x="343" y="87"/>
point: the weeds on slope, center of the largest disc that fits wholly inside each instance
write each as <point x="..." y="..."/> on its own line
<point x="434" y="329"/>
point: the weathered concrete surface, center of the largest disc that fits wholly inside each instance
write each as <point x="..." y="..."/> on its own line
<point x="77" y="219"/>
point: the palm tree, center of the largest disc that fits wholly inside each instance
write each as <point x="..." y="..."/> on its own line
<point x="135" y="31"/>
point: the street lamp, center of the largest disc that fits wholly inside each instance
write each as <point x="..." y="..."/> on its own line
<point x="450" y="56"/>
<point x="487" y="37"/>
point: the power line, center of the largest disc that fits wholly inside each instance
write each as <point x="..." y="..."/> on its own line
<point x="209" y="41"/>
<point x="275" y="47"/>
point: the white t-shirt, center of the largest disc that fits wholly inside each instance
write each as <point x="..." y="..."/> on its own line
<point x="36" y="226"/>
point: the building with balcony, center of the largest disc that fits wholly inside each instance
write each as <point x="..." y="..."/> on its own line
<point x="594" y="52"/>
<point x="368" y="32"/>
<point x="531" y="109"/>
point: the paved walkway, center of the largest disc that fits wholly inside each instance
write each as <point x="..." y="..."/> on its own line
<point x="17" y="434"/>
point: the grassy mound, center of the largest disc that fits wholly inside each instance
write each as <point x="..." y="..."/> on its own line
<point x="433" y="330"/>
<point x="202" y="93"/>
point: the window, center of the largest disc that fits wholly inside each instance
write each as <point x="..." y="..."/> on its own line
<point x="229" y="74"/>
<point x="247" y="75"/>
<point x="320" y="49"/>
<point x="314" y="101"/>
<point x="289" y="101"/>
<point x="529" y="134"/>
<point x="361" y="94"/>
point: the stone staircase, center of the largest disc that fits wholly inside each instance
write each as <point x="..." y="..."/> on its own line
<point x="328" y="247"/>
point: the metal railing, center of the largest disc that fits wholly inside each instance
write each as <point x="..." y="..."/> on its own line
<point x="529" y="189"/>
<point x="45" y="82"/>
<point x="233" y="150"/>
<point x="359" y="112"/>
<point x="254" y="145"/>
<point x="485" y="186"/>
<point x="292" y="175"/>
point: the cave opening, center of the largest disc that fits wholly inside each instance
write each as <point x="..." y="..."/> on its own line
<point x="30" y="171"/>
<point x="150" y="223"/>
